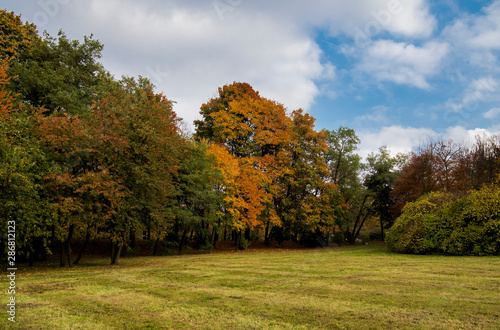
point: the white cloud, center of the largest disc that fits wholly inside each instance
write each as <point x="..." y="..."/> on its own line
<point x="399" y="139"/>
<point x="414" y="20"/>
<point x="396" y="138"/>
<point x="377" y="115"/>
<point x="493" y="113"/>
<point x="191" y="47"/>
<point x="467" y="137"/>
<point x="481" y="31"/>
<point x="197" y="51"/>
<point x="477" y="37"/>
<point x="403" y="63"/>
<point x="487" y="29"/>
<point x="478" y="91"/>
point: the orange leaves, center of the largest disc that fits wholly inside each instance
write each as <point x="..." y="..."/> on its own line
<point x="6" y="97"/>
<point x="245" y="198"/>
<point x="273" y="164"/>
<point x="15" y="35"/>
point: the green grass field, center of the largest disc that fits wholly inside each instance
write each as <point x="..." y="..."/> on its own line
<point x="357" y="287"/>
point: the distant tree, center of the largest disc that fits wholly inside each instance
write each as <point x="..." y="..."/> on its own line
<point x="382" y="173"/>
<point x="196" y="200"/>
<point x="345" y="168"/>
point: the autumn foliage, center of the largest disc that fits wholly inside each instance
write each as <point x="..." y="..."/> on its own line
<point x="86" y="156"/>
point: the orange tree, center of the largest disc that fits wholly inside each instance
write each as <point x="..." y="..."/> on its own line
<point x="274" y="164"/>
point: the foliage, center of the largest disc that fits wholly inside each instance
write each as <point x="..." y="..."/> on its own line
<point x="441" y="223"/>
<point x="355" y="287"/>
<point x="23" y="168"/>
<point x="382" y="173"/>
<point x="60" y="75"/>
<point x="16" y="37"/>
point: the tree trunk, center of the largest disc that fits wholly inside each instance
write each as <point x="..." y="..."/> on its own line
<point x="132" y="238"/>
<point x="155" y="248"/>
<point x="382" y="228"/>
<point x="361" y="225"/>
<point x="117" y="250"/>
<point x="31" y="258"/>
<point x="62" y="263"/>
<point x="237" y="239"/>
<point x="280" y="235"/>
<point x="67" y="244"/>
<point x="353" y="235"/>
<point x="215" y="237"/>
<point x="87" y="240"/>
<point x="266" y="234"/>
<point x="183" y="240"/>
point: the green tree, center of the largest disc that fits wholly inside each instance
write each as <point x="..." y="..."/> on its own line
<point x="345" y="168"/>
<point x="60" y="75"/>
<point x="23" y="169"/>
<point x="382" y="173"/>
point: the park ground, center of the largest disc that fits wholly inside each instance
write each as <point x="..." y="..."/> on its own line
<point x="348" y="287"/>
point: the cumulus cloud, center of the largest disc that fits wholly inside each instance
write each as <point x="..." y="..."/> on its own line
<point x="477" y="37"/>
<point x="403" y="139"/>
<point x="477" y="92"/>
<point x="188" y="51"/>
<point x="403" y="63"/>
<point x="398" y="139"/>
<point x="190" y="47"/>
<point x="467" y="137"/>
<point x="493" y="113"/>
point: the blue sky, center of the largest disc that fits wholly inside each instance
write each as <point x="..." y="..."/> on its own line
<point x="398" y="71"/>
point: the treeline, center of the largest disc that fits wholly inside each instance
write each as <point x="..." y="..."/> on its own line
<point x="85" y="156"/>
<point x="447" y="199"/>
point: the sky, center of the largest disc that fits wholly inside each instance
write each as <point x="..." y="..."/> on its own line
<point x="399" y="72"/>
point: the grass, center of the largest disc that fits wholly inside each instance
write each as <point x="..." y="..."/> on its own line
<point x="357" y="287"/>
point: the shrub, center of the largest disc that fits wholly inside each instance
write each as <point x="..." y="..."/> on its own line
<point x="407" y="233"/>
<point x="439" y="223"/>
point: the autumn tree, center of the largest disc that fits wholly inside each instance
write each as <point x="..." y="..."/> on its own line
<point x="480" y="165"/>
<point x="436" y="166"/>
<point x="17" y="37"/>
<point x="305" y="189"/>
<point x="254" y="130"/>
<point x="149" y="160"/>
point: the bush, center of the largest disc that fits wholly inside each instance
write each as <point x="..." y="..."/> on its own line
<point x="439" y="223"/>
<point x="407" y="233"/>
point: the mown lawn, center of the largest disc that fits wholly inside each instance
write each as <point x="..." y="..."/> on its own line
<point x="358" y="287"/>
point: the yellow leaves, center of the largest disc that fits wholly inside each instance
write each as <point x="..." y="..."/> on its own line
<point x="243" y="185"/>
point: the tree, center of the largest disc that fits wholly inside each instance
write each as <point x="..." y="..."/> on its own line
<point x="345" y="167"/>
<point x="60" y="75"/>
<point x="16" y="37"/>
<point x="304" y="192"/>
<point x="254" y="130"/>
<point x="196" y="200"/>
<point x="382" y="173"/>
<point x="148" y="161"/>
<point x="23" y="168"/>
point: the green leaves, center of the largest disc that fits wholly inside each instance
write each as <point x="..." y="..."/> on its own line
<point x="442" y="223"/>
